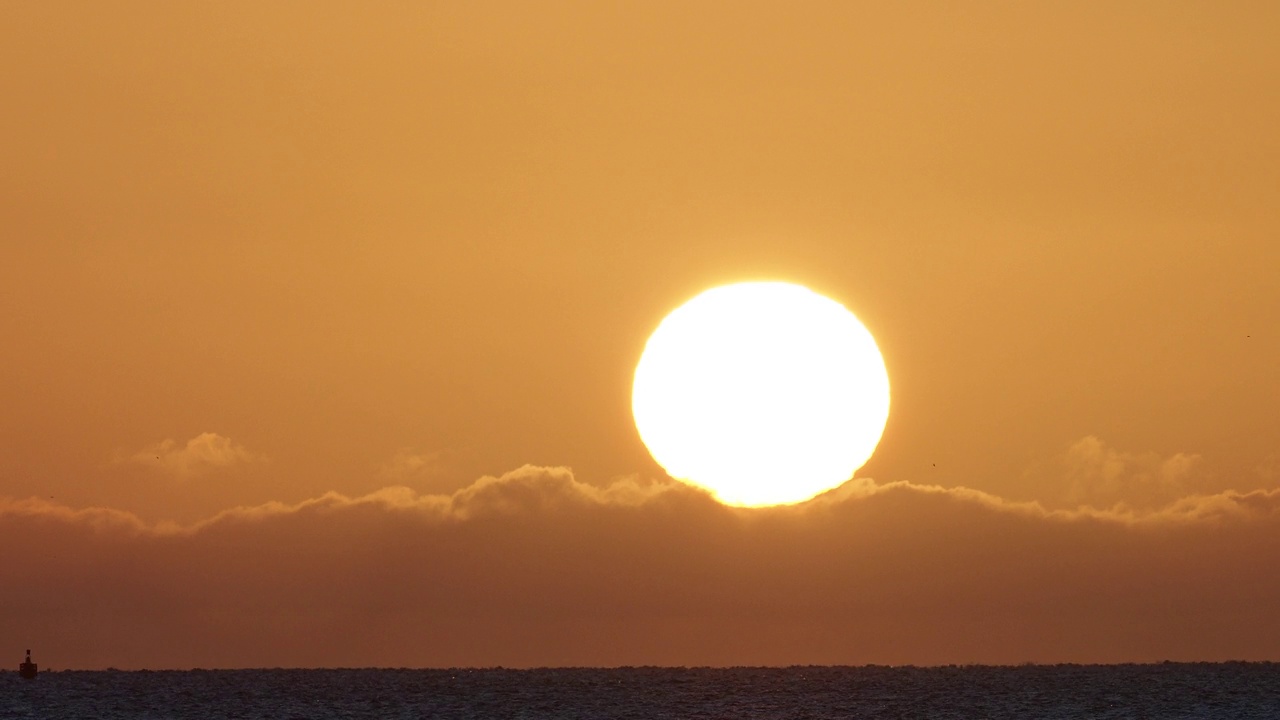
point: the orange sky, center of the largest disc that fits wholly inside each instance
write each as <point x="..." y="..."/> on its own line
<point x="253" y="254"/>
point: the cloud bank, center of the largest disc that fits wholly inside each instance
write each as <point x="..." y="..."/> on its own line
<point x="536" y="568"/>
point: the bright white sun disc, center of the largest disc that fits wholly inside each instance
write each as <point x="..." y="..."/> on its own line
<point x="763" y="393"/>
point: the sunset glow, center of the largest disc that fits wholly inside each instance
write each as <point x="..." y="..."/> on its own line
<point x="454" y="334"/>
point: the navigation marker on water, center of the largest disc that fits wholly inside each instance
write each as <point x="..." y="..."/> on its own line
<point x="28" y="668"/>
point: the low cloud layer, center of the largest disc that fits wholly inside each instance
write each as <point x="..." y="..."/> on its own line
<point x="536" y="568"/>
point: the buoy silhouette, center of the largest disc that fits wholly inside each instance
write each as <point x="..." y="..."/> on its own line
<point x="28" y="668"/>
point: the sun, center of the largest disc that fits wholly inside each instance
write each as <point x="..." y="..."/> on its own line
<point x="763" y="393"/>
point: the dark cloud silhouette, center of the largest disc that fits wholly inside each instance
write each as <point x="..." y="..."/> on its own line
<point x="536" y="568"/>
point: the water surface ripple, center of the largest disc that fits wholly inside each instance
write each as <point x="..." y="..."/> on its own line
<point x="1165" y="691"/>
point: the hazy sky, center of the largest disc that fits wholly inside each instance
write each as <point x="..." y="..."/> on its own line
<point x="318" y="324"/>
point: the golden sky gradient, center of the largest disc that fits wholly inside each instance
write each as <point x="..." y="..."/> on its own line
<point x="292" y="294"/>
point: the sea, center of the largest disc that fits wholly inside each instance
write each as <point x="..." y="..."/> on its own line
<point x="1230" y="691"/>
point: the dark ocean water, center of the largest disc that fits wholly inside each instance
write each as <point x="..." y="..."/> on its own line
<point x="1223" y="690"/>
